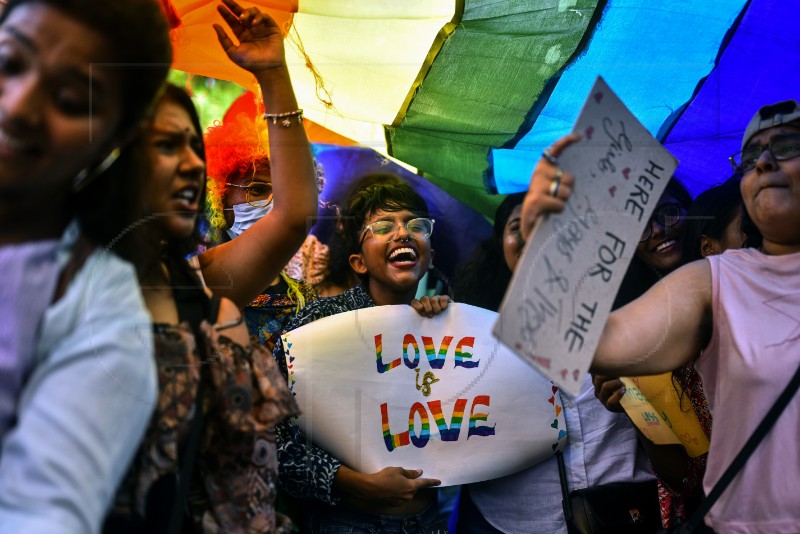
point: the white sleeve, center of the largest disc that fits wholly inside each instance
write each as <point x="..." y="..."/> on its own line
<point x="84" y="409"/>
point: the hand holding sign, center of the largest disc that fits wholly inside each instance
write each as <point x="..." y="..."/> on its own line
<point x="430" y="306"/>
<point x="391" y="486"/>
<point x="540" y="199"/>
<point x="609" y="391"/>
<point x="383" y="386"/>
<point x="572" y="267"/>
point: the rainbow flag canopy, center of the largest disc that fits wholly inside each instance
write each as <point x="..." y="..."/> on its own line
<point x="469" y="92"/>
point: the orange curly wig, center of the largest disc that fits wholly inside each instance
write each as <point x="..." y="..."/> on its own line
<point x="235" y="150"/>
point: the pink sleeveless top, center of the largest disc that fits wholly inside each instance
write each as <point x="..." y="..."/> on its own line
<point x="753" y="353"/>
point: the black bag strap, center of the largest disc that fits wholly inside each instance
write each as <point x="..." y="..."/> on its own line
<point x="755" y="439"/>
<point x="188" y="303"/>
<point x="184" y="480"/>
<point x="562" y="475"/>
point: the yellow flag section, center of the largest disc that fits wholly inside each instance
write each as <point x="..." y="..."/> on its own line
<point x="654" y="405"/>
<point x="354" y="64"/>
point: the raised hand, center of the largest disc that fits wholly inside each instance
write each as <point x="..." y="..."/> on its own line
<point x="260" y="45"/>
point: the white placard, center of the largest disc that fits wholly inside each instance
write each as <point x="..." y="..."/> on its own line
<point x="569" y="274"/>
<point x="384" y="387"/>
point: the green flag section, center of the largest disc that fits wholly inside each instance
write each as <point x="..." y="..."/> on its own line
<point x="479" y="92"/>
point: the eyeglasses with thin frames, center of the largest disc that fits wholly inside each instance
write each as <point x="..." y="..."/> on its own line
<point x="780" y="148"/>
<point x="420" y="227"/>
<point x="667" y="215"/>
<point x="258" y="194"/>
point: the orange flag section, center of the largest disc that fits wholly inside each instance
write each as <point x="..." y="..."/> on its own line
<point x="196" y="47"/>
<point x="654" y="405"/>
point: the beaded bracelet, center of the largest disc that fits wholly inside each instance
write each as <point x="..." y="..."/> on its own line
<point x="285" y="118"/>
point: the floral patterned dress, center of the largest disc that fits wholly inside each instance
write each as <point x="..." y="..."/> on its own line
<point x="234" y="478"/>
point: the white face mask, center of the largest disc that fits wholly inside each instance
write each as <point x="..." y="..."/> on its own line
<point x="245" y="216"/>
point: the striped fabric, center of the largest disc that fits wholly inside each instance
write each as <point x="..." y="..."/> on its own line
<point x="469" y="91"/>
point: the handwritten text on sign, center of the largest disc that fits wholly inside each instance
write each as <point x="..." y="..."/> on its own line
<point x="660" y="408"/>
<point x="559" y="299"/>
<point x="385" y="387"/>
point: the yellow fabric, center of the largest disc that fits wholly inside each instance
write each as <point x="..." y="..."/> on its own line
<point x="366" y="56"/>
<point x="654" y="405"/>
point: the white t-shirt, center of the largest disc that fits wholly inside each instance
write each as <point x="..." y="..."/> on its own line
<point x="84" y="408"/>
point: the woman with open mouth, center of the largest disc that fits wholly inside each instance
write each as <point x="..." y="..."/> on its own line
<point x="386" y="233"/>
<point x="207" y="461"/>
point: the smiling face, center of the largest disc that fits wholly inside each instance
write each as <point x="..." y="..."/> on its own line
<point x="663" y="250"/>
<point x="178" y="174"/>
<point x="57" y="114"/>
<point x="394" y="265"/>
<point x="771" y="193"/>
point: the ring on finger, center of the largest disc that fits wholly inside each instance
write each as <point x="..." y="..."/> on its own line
<point x="556" y="183"/>
<point x="549" y="157"/>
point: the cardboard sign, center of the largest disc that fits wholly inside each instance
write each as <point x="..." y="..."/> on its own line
<point x="660" y="409"/>
<point x="384" y="387"/>
<point x="566" y="281"/>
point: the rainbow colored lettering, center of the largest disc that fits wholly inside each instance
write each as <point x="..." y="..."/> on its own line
<point x="392" y="441"/>
<point x="474" y="429"/>
<point x="383" y="367"/>
<point x="451" y="433"/>
<point x="462" y="355"/>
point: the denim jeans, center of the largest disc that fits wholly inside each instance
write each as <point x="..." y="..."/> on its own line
<point x="341" y="519"/>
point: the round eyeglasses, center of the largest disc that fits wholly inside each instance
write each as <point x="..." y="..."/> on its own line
<point x="421" y="227"/>
<point x="666" y="215"/>
<point x="258" y="194"/>
<point x="780" y="148"/>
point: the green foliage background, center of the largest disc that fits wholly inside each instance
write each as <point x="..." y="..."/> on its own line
<point x="212" y="97"/>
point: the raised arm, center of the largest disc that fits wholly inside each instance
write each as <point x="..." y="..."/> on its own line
<point x="242" y="268"/>
<point x="660" y="331"/>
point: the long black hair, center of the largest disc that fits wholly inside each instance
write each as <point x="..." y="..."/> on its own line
<point x="710" y="214"/>
<point x="483" y="278"/>
<point x="174" y="252"/>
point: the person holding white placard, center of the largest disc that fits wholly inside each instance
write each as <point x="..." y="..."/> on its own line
<point x="601" y="446"/>
<point x="386" y="229"/>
